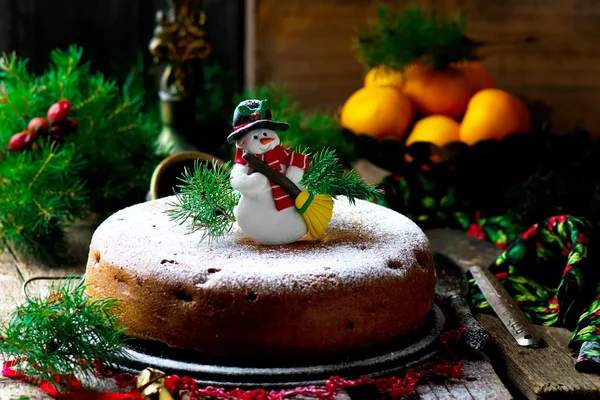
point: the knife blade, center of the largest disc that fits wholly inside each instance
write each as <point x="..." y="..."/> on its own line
<point x="505" y="307"/>
<point x="467" y="251"/>
<point x="452" y="287"/>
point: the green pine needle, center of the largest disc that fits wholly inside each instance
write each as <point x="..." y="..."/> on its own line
<point x="103" y="166"/>
<point x="207" y="199"/>
<point x="63" y="334"/>
<point x="398" y="39"/>
<point x="326" y="175"/>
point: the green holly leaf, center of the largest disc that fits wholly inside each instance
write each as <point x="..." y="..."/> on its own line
<point x="562" y="230"/>
<point x="449" y="199"/>
<point x="518" y="278"/>
<point x="543" y="253"/>
<point x="574" y="257"/>
<point x="498" y="237"/>
<point x="427" y="185"/>
<point x="588" y="330"/>
<point x="592" y="353"/>
<point x="520" y="288"/>
<point x="516" y="253"/>
<point x="594" y="307"/>
<point x="428" y="202"/>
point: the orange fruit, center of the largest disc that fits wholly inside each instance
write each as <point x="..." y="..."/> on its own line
<point x="436" y="129"/>
<point x="444" y="92"/>
<point x="494" y="114"/>
<point x="477" y="73"/>
<point x="381" y="76"/>
<point x="381" y="112"/>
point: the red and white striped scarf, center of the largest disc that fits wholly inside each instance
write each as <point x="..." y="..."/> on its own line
<point x="278" y="158"/>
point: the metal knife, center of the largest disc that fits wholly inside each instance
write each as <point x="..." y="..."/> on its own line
<point x="505" y="307"/>
<point x="467" y="251"/>
<point x="452" y="287"/>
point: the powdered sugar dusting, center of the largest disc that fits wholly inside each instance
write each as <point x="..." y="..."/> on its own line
<point x="363" y="242"/>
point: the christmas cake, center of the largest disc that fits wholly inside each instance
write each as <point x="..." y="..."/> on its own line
<point x="366" y="282"/>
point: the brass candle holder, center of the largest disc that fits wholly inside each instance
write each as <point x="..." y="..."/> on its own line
<point x="166" y="175"/>
<point x="180" y="41"/>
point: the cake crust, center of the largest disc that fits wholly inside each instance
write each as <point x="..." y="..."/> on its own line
<point x="367" y="282"/>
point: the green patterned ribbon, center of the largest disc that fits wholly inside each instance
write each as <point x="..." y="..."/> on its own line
<point x="548" y="269"/>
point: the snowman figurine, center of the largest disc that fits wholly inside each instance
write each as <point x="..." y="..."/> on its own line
<point x="265" y="212"/>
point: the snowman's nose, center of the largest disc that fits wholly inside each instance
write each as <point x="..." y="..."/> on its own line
<point x="266" y="140"/>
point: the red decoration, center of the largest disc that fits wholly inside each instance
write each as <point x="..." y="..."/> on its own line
<point x="76" y="391"/>
<point x="21" y="141"/>
<point x="38" y="125"/>
<point x="72" y="125"/>
<point x="59" y="111"/>
<point x="275" y="158"/>
<point x="398" y="387"/>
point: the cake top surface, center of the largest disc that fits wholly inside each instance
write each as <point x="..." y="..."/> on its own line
<point x="363" y="241"/>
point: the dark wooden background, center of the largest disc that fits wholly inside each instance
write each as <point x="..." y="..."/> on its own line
<point x="309" y="46"/>
<point x="113" y="33"/>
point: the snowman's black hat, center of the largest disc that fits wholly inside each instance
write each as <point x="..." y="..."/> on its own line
<point x="253" y="114"/>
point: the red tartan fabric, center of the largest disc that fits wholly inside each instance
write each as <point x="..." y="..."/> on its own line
<point x="278" y="158"/>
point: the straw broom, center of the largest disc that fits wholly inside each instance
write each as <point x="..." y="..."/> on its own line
<point x="316" y="210"/>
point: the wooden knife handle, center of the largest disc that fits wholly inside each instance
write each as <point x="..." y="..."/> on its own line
<point x="475" y="336"/>
<point x="505" y="307"/>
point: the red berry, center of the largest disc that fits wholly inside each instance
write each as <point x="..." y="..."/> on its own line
<point x="71" y="125"/>
<point x="59" y="111"/>
<point x="38" y="125"/>
<point x="56" y="138"/>
<point x="21" y="141"/>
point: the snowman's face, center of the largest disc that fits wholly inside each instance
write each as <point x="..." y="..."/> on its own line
<point x="259" y="141"/>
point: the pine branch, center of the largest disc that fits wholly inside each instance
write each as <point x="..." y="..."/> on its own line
<point x="63" y="334"/>
<point x="40" y="194"/>
<point x="398" y="39"/>
<point x="207" y="199"/>
<point x="326" y="175"/>
<point x="103" y="166"/>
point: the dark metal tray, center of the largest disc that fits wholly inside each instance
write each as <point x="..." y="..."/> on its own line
<point x="407" y="354"/>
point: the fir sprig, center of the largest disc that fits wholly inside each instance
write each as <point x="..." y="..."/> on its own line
<point x="414" y="35"/>
<point x="207" y="199"/>
<point x="102" y="167"/>
<point x="326" y="175"/>
<point x="40" y="193"/>
<point x="63" y="334"/>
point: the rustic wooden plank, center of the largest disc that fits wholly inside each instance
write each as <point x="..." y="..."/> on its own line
<point x="546" y="372"/>
<point x="479" y="382"/>
<point x="13" y="390"/>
